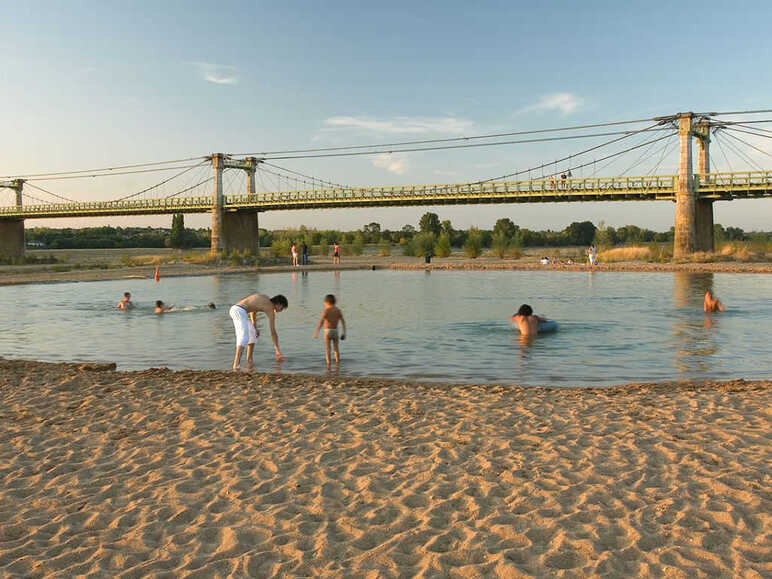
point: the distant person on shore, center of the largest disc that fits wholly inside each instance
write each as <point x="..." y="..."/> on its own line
<point x="304" y="253"/>
<point x="294" y="251"/>
<point x="125" y="303"/>
<point x="330" y="317"/>
<point x="335" y="253"/>
<point x="244" y="316"/>
<point x="592" y="255"/>
<point x="526" y="321"/>
<point x="712" y="304"/>
<point x="160" y="308"/>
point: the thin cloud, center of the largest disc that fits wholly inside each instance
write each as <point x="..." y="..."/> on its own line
<point x="563" y="102"/>
<point x="393" y="163"/>
<point x="217" y="73"/>
<point x="403" y="125"/>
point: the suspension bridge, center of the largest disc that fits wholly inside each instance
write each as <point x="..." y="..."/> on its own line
<point x="235" y="214"/>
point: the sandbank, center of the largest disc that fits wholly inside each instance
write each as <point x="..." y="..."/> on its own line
<point x="164" y="473"/>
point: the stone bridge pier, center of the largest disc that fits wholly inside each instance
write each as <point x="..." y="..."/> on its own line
<point x="233" y="230"/>
<point x="693" y="216"/>
<point x="12" y="230"/>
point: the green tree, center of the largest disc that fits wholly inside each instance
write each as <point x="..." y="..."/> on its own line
<point x="430" y="223"/>
<point x="423" y="244"/>
<point x="447" y="228"/>
<point x="505" y="227"/>
<point x="372" y="232"/>
<point x="384" y="247"/>
<point x="177" y="237"/>
<point x="442" y="247"/>
<point x="474" y="243"/>
<point x="500" y="244"/>
<point x="358" y="243"/>
<point x="580" y="233"/>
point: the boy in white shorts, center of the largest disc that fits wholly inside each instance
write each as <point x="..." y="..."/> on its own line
<point x="244" y="316"/>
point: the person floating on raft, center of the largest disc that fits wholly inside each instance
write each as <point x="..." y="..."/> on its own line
<point x="530" y="324"/>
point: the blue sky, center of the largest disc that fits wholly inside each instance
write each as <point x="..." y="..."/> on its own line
<point x="91" y="84"/>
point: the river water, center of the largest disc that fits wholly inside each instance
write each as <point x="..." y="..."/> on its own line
<point x="439" y="326"/>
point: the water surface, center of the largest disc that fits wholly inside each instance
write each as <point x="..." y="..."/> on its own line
<point x="441" y="325"/>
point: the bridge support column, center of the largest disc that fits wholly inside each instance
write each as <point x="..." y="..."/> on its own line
<point x="12" y="230"/>
<point x="703" y="207"/>
<point x="217" y="198"/>
<point x="239" y="231"/>
<point x="685" y="241"/>
<point x="12" y="238"/>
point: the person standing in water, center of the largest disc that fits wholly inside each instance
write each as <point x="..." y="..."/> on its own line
<point x="244" y="316"/>
<point x="125" y="303"/>
<point x="527" y="322"/>
<point x="335" y="253"/>
<point x="330" y="317"/>
<point x="712" y="304"/>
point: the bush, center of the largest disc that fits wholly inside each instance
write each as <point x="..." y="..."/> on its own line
<point x="500" y="244"/>
<point x="280" y="248"/>
<point x="474" y="243"/>
<point x="423" y="244"/>
<point x="384" y="248"/>
<point x="442" y="247"/>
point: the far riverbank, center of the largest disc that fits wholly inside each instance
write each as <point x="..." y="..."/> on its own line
<point x="88" y="267"/>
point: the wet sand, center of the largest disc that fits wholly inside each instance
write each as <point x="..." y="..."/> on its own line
<point x="161" y="473"/>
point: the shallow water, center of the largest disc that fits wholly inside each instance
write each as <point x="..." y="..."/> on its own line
<point x="449" y="325"/>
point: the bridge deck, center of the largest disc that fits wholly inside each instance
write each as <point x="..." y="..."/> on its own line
<point x="717" y="186"/>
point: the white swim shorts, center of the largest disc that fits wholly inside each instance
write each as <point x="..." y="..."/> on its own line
<point x="245" y="329"/>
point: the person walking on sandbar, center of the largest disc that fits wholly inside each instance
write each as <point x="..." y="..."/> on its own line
<point x="244" y="316"/>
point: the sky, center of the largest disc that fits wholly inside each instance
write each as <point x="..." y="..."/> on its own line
<point x="96" y="84"/>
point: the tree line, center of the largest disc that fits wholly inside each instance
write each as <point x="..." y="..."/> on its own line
<point x="431" y="235"/>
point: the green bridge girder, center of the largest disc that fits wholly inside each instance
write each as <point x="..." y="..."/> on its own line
<point x="716" y="186"/>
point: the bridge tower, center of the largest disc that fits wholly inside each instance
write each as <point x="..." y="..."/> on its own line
<point x="693" y="216"/>
<point x="12" y="230"/>
<point x="233" y="229"/>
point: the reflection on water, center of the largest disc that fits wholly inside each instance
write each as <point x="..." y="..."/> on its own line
<point x="694" y="345"/>
<point x="449" y="326"/>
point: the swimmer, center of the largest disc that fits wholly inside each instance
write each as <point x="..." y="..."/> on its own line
<point x="526" y="321"/>
<point x="211" y="306"/>
<point x="711" y="304"/>
<point x="160" y="308"/>
<point x="125" y="303"/>
<point x="330" y="317"/>
<point x="244" y="316"/>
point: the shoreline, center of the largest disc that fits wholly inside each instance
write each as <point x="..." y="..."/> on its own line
<point x="162" y="472"/>
<point x="19" y="277"/>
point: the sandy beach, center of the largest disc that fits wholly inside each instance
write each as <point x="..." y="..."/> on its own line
<point x="201" y="474"/>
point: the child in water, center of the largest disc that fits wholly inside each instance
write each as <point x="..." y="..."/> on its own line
<point x="160" y="308"/>
<point x="330" y="317"/>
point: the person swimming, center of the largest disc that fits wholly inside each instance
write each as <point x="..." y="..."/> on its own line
<point x="527" y="322"/>
<point x="160" y="308"/>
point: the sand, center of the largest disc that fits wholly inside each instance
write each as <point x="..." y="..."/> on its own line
<point x="201" y="474"/>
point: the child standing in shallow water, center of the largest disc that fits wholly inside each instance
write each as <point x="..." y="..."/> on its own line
<point x="330" y="317"/>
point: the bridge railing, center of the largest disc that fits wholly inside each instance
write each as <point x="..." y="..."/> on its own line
<point x="98" y="206"/>
<point x="545" y="186"/>
<point x="734" y="181"/>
